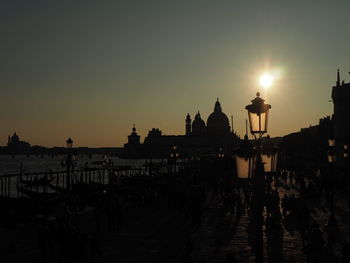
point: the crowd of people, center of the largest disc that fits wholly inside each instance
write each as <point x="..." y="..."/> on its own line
<point x="187" y="193"/>
<point x="60" y="234"/>
<point x="302" y="193"/>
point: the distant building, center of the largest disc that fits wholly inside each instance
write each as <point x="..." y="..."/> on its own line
<point x="133" y="148"/>
<point x="341" y="103"/>
<point x="308" y="147"/>
<point x="200" y="138"/>
<point x="15" y="145"/>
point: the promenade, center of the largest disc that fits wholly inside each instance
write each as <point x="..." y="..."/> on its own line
<point x="154" y="234"/>
<point x="224" y="233"/>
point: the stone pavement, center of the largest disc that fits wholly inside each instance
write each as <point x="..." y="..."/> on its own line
<point x="292" y="247"/>
<point x="147" y="236"/>
<point x="222" y="233"/>
<point x="320" y="213"/>
<point x="160" y="236"/>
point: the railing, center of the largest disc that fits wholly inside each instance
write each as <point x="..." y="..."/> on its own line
<point x="44" y="182"/>
<point x="41" y="181"/>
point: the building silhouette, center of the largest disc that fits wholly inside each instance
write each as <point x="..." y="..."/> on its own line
<point x="341" y="117"/>
<point x="200" y="138"/>
<point x="311" y="144"/>
<point x="15" y="145"/>
<point x="133" y="148"/>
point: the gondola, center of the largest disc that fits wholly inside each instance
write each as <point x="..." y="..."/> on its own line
<point x="58" y="188"/>
<point x="37" y="181"/>
<point x="37" y="195"/>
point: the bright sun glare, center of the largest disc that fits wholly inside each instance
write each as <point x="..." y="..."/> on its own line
<point x="266" y="80"/>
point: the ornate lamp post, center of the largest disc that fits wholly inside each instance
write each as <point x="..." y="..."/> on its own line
<point x="258" y="113"/>
<point x="174" y="154"/>
<point x="245" y="160"/>
<point x="269" y="156"/>
<point x="69" y="162"/>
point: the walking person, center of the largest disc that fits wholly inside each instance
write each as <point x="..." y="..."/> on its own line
<point x="316" y="244"/>
<point x="94" y="248"/>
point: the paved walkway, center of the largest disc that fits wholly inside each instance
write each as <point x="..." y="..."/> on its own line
<point x="290" y="239"/>
<point x="160" y="236"/>
<point x="320" y="213"/>
<point x="147" y="236"/>
<point x="225" y="233"/>
<point x="222" y="233"/>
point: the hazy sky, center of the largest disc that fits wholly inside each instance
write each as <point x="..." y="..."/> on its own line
<point x="91" y="69"/>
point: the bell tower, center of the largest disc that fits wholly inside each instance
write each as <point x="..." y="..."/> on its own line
<point x="341" y="103"/>
<point x="188" y="124"/>
<point x="134" y="138"/>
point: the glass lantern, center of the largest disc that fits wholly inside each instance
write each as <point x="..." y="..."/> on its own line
<point x="245" y="160"/>
<point x="69" y="143"/>
<point x="269" y="156"/>
<point x="258" y="114"/>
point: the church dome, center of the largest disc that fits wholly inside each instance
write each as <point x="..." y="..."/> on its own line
<point x="198" y="125"/>
<point x="218" y="123"/>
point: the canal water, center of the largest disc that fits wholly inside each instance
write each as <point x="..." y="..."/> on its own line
<point x="10" y="165"/>
<point x="44" y="164"/>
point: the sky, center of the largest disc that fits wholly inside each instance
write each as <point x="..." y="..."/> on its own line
<point x="91" y="69"/>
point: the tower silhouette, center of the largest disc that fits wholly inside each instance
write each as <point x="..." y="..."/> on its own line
<point x="341" y="103"/>
<point x="188" y="124"/>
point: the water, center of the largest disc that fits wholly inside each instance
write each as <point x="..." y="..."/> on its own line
<point x="34" y="164"/>
<point x="9" y="165"/>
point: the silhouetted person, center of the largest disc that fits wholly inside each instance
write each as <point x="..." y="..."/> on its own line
<point x="284" y="177"/>
<point x="111" y="217"/>
<point x="188" y="250"/>
<point x="316" y="244"/>
<point x="94" y="248"/>
<point x="42" y="236"/>
<point x="285" y="205"/>
<point x="346" y="253"/>
<point x="304" y="223"/>
<point x="97" y="216"/>
<point x="332" y="229"/>
<point x="119" y="215"/>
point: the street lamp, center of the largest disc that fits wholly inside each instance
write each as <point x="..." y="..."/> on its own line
<point x="258" y="113"/>
<point x="269" y="155"/>
<point x="245" y="159"/>
<point x="69" y="142"/>
<point x="69" y="162"/>
<point x="174" y="154"/>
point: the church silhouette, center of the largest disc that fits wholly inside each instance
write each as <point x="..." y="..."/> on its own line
<point x="200" y="139"/>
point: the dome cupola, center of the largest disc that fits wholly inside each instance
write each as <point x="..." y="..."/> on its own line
<point x="198" y="125"/>
<point x="218" y="123"/>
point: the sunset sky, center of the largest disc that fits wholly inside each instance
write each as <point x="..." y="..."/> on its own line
<point x="92" y="69"/>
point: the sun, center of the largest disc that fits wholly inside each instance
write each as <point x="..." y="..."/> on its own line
<point x="266" y="80"/>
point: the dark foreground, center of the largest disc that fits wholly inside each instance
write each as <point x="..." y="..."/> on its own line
<point x="184" y="219"/>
